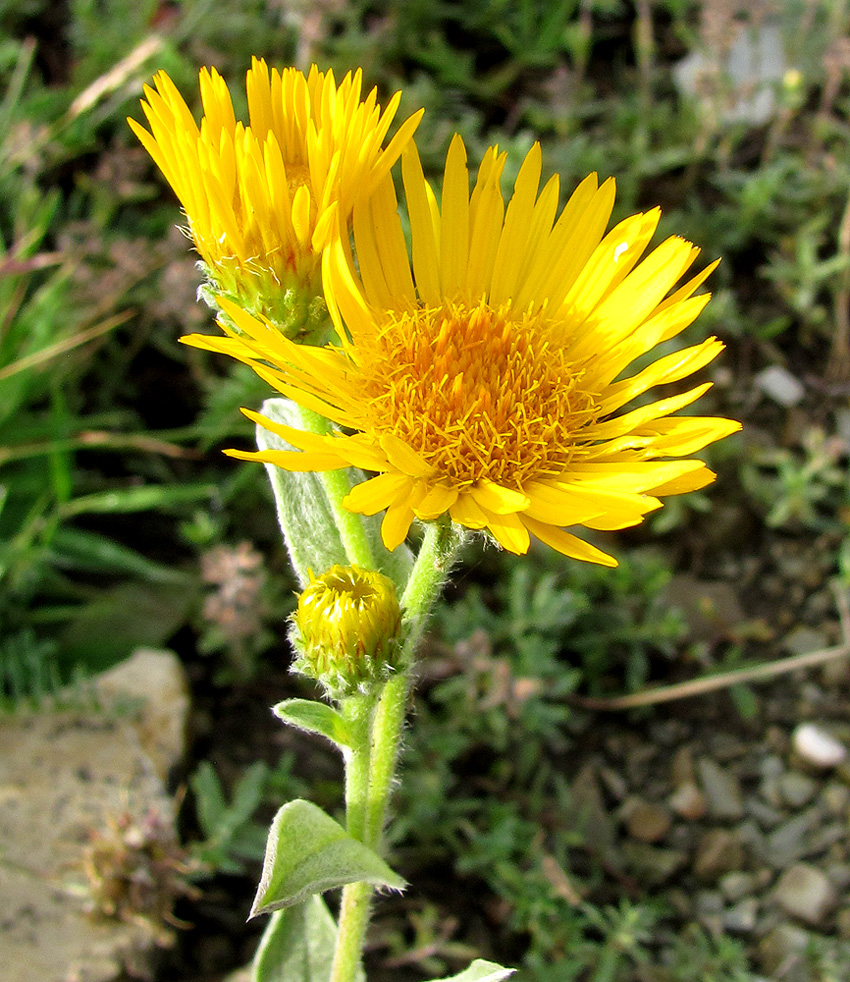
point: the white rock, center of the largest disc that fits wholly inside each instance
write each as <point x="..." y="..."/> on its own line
<point x="153" y="684"/>
<point x="817" y="747"/>
<point x="779" y="384"/>
<point x="806" y="893"/>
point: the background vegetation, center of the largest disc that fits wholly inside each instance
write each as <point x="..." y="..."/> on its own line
<point x="122" y="525"/>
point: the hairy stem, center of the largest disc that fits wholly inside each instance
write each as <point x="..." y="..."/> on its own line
<point x="379" y="742"/>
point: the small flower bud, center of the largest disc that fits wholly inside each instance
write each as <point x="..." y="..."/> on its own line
<point x="346" y="629"/>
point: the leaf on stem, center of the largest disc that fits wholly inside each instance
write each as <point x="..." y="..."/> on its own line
<point x="306" y="513"/>
<point x="481" y="971"/>
<point x="314" y="717"/>
<point x="298" y="945"/>
<point x="308" y="852"/>
<point x="303" y="510"/>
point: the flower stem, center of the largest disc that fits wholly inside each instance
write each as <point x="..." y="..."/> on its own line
<point x="357" y="712"/>
<point x="430" y="571"/>
<point x="378" y="743"/>
<point x="353" y="920"/>
<point x="386" y="744"/>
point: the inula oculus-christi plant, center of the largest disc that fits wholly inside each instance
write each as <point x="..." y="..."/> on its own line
<point x="475" y="379"/>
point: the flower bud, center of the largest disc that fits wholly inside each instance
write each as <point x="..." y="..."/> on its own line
<point x="346" y="629"/>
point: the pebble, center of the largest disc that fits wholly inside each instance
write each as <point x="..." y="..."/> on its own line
<point x="771" y="766"/>
<point x="788" y="842"/>
<point x="836" y="799"/>
<point x="766" y="816"/>
<point x="688" y="801"/>
<point x="718" y="851"/>
<point x="778" y="384"/>
<point x="682" y="768"/>
<point x="797" y="789"/>
<point x="842" y="923"/>
<point x="653" y="865"/>
<point x="839" y="875"/>
<point x="736" y="885"/>
<point x="614" y="783"/>
<point x="741" y="919"/>
<point x="806" y="893"/>
<point x="817" y="747"/>
<point x="722" y="791"/>
<point x="646" y="821"/>
<point x="782" y="947"/>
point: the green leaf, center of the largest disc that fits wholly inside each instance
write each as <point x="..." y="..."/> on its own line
<point x="123" y="618"/>
<point x="298" y="945"/>
<point x="314" y="717"/>
<point x="481" y="971"/>
<point x="303" y="510"/>
<point x="147" y="498"/>
<point x="308" y="852"/>
<point x="72" y="548"/>
<point x="306" y="515"/>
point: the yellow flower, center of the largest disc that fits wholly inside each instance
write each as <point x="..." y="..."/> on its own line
<point x="487" y="382"/>
<point x="347" y="626"/>
<point x="262" y="199"/>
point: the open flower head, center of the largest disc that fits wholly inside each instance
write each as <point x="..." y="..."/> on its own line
<point x="487" y="379"/>
<point x="261" y="199"/>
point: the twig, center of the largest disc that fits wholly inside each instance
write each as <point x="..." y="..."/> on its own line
<point x="839" y="362"/>
<point x="60" y="347"/>
<point x="699" y="687"/>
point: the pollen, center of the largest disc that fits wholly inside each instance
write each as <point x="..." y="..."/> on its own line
<point x="477" y="392"/>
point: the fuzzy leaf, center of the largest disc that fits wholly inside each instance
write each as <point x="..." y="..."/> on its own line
<point x="306" y="512"/>
<point x="308" y="852"/>
<point x="298" y="945"/>
<point x="314" y="717"/>
<point x="481" y="971"/>
<point x="303" y="510"/>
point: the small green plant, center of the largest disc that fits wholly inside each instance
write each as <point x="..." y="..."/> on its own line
<point x="804" y="489"/>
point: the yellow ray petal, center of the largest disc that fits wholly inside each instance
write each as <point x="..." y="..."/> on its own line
<point x="568" y="544"/>
<point x="496" y="499"/>
<point x="396" y="525"/>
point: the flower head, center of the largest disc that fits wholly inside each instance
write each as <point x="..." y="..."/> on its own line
<point x="262" y="199"/>
<point x="487" y="382"/>
<point x="347" y="626"/>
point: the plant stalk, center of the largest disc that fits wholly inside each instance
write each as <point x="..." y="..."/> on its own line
<point x="374" y="757"/>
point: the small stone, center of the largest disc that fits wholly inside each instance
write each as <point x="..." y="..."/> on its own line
<point x="817" y="747"/>
<point x="647" y="821"/>
<point x="806" y="893"/>
<point x="741" y="919"/>
<point x="839" y="875"/>
<point x="836" y="799"/>
<point x="802" y="639"/>
<point x="766" y="816"/>
<point x="614" y="783"/>
<point x="842" y="923"/>
<point x="771" y="766"/>
<point x="688" y="801"/>
<point x="788" y="842"/>
<point x="782" y="948"/>
<point x="718" y="851"/>
<point x="778" y="384"/>
<point x="709" y="902"/>
<point x="753" y="839"/>
<point x="824" y="836"/>
<point x="653" y="865"/>
<point x="770" y="790"/>
<point x="736" y="885"/>
<point x="722" y="791"/>
<point x="682" y="768"/>
<point x="797" y="789"/>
